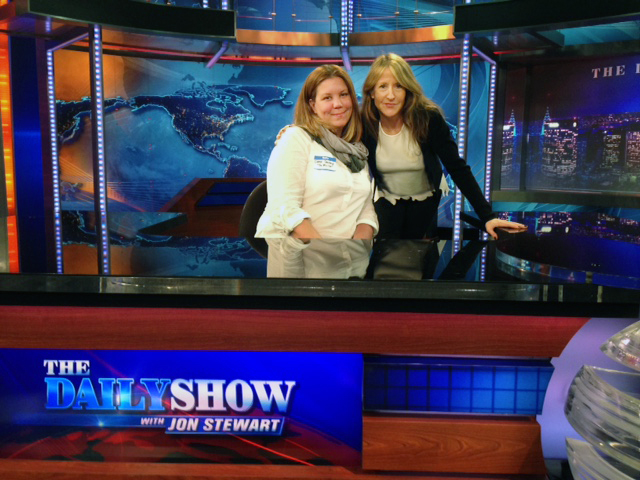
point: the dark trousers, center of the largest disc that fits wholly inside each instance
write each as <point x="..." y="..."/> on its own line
<point x="408" y="219"/>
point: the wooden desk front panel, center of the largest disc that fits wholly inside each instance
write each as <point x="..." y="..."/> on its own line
<point x="284" y="331"/>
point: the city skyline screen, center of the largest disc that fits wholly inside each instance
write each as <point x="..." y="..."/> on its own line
<point x="583" y="129"/>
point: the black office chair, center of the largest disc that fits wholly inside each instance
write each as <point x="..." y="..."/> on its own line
<point x="251" y="212"/>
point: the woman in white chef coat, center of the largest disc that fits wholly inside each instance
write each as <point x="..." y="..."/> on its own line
<point x="318" y="181"/>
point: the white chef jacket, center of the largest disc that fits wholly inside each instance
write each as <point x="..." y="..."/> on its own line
<point x="304" y="180"/>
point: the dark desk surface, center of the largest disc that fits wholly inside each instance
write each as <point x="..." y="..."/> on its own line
<point x="551" y="273"/>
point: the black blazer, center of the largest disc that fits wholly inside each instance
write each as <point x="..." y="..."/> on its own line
<point x="440" y="147"/>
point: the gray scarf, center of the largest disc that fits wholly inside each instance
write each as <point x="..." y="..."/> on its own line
<point x="353" y="155"/>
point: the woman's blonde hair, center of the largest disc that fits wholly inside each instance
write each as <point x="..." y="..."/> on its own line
<point x="305" y="117"/>
<point x="416" y="104"/>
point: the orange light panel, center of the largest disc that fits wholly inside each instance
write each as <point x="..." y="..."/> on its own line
<point x="8" y="153"/>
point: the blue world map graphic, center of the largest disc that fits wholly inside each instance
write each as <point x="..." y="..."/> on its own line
<point x="203" y="117"/>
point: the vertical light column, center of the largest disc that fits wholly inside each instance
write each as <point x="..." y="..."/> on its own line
<point x="490" y="121"/>
<point x="344" y="34"/>
<point x="346" y="27"/>
<point x="463" y="113"/>
<point x="55" y="162"/>
<point x="54" y="146"/>
<point x="99" y="167"/>
<point x="6" y="115"/>
<point x="489" y="158"/>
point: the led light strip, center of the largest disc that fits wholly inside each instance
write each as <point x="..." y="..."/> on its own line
<point x="346" y="27"/>
<point x="99" y="167"/>
<point x="488" y="162"/>
<point x="489" y="157"/>
<point x="463" y="106"/>
<point x="55" y="162"/>
<point x="55" y="159"/>
<point x="344" y="32"/>
<point x="8" y="153"/>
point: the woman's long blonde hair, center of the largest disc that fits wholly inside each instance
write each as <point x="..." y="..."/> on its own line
<point x="305" y="117"/>
<point x="416" y="104"/>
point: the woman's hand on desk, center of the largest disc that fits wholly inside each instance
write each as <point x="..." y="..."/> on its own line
<point x="512" y="227"/>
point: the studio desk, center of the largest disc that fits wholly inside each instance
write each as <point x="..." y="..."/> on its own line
<point x="481" y="304"/>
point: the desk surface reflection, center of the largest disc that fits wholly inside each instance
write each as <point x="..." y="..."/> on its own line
<point x="541" y="266"/>
<point x="552" y="257"/>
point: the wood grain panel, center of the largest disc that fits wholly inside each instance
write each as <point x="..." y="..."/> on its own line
<point x="285" y="331"/>
<point x="453" y="444"/>
<point x="57" y="470"/>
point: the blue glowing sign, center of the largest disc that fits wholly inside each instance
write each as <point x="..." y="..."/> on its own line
<point x="220" y="407"/>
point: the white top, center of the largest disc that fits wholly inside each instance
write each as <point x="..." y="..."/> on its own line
<point x="304" y="180"/>
<point x="400" y="162"/>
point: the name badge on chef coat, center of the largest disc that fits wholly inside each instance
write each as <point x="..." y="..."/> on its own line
<point x="323" y="162"/>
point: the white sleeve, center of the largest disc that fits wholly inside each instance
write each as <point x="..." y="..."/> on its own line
<point x="368" y="212"/>
<point x="286" y="178"/>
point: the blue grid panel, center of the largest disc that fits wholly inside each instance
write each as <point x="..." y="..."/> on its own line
<point x="460" y="377"/>
<point x="418" y="377"/>
<point x="439" y="378"/>
<point x="505" y="401"/>
<point x="543" y="379"/>
<point x="526" y="402"/>
<point x="461" y="400"/>
<point x="376" y="398"/>
<point x="438" y="399"/>
<point x="375" y="377"/>
<point x="499" y="386"/>
<point x="506" y="378"/>
<point x="527" y="379"/>
<point x="397" y="377"/>
<point x="397" y="398"/>
<point x="482" y="377"/>
<point x="418" y="399"/>
<point x="482" y="401"/>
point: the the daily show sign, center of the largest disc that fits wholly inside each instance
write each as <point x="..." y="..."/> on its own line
<point x="220" y="407"/>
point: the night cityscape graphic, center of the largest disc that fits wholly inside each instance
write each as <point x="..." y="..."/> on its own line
<point x="590" y="153"/>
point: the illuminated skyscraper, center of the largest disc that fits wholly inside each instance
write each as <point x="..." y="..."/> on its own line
<point x="632" y="151"/>
<point x="547" y="120"/>
<point x="612" y="151"/>
<point x="508" y="140"/>
<point x="559" y="149"/>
